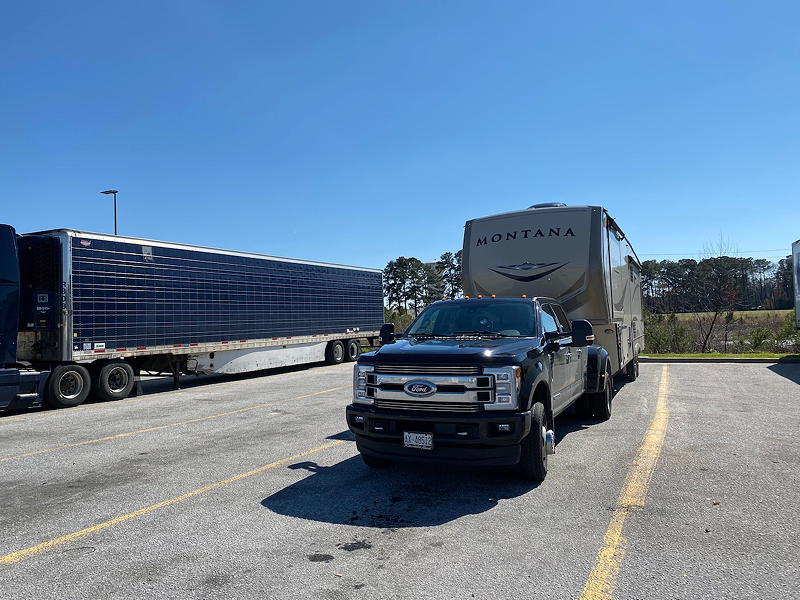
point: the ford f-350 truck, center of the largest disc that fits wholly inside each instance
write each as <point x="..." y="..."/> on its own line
<point x="477" y="381"/>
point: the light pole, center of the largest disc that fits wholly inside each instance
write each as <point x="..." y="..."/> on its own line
<point x="115" y="207"/>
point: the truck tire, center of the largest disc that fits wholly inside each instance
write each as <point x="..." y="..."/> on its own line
<point x="68" y="385"/>
<point x="352" y="350"/>
<point x="334" y="353"/>
<point x="600" y="403"/>
<point x="632" y="369"/>
<point x="373" y="462"/>
<point x="583" y="406"/>
<point x="113" y="381"/>
<point x="533" y="462"/>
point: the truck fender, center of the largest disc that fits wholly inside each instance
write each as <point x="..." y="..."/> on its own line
<point x="595" y="364"/>
<point x="536" y="375"/>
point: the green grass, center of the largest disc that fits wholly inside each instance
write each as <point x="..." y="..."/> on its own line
<point x="723" y="355"/>
<point x="744" y="314"/>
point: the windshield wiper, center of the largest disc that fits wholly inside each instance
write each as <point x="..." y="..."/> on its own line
<point x="479" y="332"/>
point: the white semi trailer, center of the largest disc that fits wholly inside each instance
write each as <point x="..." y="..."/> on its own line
<point x="575" y="254"/>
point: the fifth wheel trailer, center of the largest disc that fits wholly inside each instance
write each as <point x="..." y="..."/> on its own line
<point x="575" y="254"/>
<point x="85" y="312"/>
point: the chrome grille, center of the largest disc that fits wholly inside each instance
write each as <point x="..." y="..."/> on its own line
<point x="428" y="406"/>
<point x="428" y="369"/>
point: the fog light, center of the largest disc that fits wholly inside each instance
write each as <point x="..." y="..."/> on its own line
<point x="504" y="427"/>
<point x="358" y="419"/>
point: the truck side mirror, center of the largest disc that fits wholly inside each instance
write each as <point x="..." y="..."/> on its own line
<point x="582" y="333"/>
<point x="386" y="335"/>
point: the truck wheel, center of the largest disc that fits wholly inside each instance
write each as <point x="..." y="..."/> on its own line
<point x="373" y="462"/>
<point x="583" y="406"/>
<point x="334" y="353"/>
<point x="632" y="368"/>
<point x="533" y="463"/>
<point x="113" y="381"/>
<point x="352" y="350"/>
<point x="68" y="385"/>
<point x="601" y="401"/>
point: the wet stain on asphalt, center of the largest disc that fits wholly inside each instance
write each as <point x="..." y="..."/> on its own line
<point x="356" y="544"/>
<point x="326" y="558"/>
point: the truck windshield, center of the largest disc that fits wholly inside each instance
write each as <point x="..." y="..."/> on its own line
<point x="502" y="318"/>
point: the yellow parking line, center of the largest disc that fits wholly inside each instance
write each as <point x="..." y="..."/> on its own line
<point x="603" y="578"/>
<point x="19" y="555"/>
<point x="128" y="401"/>
<point x="168" y="425"/>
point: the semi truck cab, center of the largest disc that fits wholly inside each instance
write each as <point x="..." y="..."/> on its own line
<point x="477" y="381"/>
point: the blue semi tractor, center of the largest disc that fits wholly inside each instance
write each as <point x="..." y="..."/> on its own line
<point x="85" y="314"/>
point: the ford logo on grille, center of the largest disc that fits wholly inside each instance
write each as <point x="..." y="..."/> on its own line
<point x="419" y="388"/>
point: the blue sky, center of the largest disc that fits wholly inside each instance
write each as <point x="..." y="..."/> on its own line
<point x="355" y="132"/>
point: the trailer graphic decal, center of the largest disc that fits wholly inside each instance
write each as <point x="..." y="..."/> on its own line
<point x="526" y="266"/>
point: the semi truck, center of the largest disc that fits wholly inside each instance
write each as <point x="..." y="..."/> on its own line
<point x="480" y="380"/>
<point x="85" y="313"/>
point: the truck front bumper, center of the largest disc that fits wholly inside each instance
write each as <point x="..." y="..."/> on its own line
<point x="473" y="439"/>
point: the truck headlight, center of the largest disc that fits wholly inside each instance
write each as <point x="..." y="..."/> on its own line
<point x="360" y="384"/>
<point x="507" y="385"/>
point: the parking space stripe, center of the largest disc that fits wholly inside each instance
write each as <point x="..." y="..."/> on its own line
<point x="19" y="555"/>
<point x="168" y="425"/>
<point x="602" y="579"/>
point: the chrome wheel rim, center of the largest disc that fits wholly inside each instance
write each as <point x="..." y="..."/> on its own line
<point x="70" y="385"/>
<point x="544" y="445"/>
<point x="118" y="379"/>
<point x="338" y="352"/>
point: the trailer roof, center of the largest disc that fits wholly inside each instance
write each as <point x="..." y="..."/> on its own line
<point x="565" y="208"/>
<point x="176" y="245"/>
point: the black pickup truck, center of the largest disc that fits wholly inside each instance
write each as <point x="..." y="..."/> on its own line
<point x="477" y="381"/>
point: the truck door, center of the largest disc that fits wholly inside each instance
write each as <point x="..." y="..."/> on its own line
<point x="560" y="367"/>
<point x="577" y="363"/>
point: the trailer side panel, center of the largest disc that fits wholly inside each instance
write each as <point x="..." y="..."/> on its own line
<point x="133" y="295"/>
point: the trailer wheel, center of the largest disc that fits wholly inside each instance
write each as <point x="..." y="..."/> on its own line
<point x="353" y="350"/>
<point x="334" y="353"/>
<point x="533" y="462"/>
<point x="632" y="368"/>
<point x="68" y="385"/>
<point x="114" y="381"/>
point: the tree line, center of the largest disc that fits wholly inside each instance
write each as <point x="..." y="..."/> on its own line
<point x="716" y="284"/>
<point x="410" y="284"/>
<point x="721" y="283"/>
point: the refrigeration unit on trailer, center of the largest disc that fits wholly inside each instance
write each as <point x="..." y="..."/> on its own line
<point x="86" y="312"/>
<point x="575" y="254"/>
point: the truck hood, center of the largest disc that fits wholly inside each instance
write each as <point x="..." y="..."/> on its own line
<point x="452" y="351"/>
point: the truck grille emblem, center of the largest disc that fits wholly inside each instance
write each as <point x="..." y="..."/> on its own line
<point x="419" y="388"/>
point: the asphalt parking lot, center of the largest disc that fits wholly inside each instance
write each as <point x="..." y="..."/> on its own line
<point x="251" y="487"/>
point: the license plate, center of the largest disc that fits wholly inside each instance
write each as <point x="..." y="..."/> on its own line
<point x="421" y="441"/>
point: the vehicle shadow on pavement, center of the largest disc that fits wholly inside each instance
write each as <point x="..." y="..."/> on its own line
<point x="350" y="493"/>
<point x="789" y="370"/>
